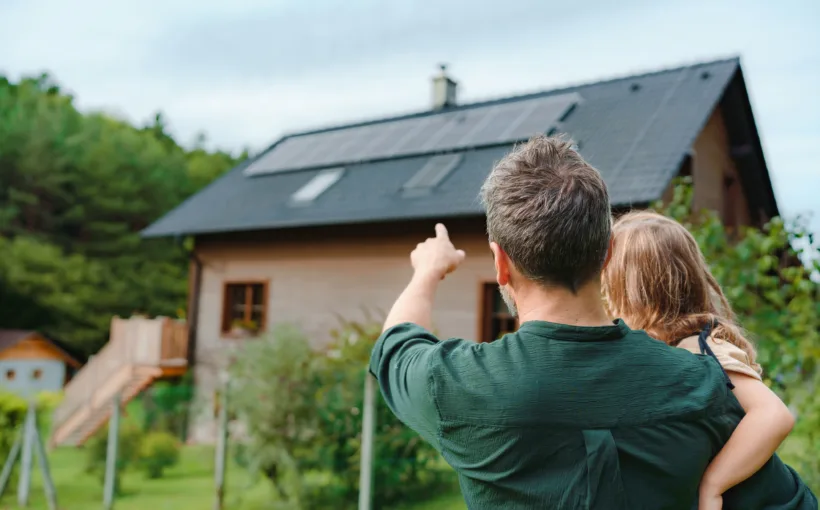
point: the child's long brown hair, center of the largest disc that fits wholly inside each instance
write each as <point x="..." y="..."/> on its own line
<point x="657" y="280"/>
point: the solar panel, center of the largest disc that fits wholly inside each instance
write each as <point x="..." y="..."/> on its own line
<point x="414" y="144"/>
<point x="502" y="116"/>
<point x="386" y="135"/>
<point x="316" y="186"/>
<point x="332" y="148"/>
<point x="543" y="116"/>
<point x="460" y="125"/>
<point x="447" y="131"/>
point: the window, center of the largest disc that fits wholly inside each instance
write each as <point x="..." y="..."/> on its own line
<point x="496" y="319"/>
<point x="320" y="183"/>
<point x="37" y="374"/>
<point x="10" y="374"/>
<point x="431" y="174"/>
<point x="244" y="308"/>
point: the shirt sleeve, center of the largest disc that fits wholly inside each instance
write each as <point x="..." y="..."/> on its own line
<point x="731" y="357"/>
<point x="402" y="362"/>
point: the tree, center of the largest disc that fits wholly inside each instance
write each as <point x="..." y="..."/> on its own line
<point x="75" y="191"/>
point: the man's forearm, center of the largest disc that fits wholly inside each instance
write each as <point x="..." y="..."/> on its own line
<point x="415" y="304"/>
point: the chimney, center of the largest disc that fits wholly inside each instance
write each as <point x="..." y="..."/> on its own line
<point x="444" y="90"/>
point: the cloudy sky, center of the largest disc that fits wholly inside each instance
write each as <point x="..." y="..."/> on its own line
<point x="246" y="72"/>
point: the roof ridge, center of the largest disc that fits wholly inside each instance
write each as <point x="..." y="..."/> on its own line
<point x="502" y="99"/>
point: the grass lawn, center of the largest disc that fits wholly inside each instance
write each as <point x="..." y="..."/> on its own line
<point x="189" y="485"/>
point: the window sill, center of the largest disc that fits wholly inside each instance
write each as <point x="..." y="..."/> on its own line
<point x="239" y="335"/>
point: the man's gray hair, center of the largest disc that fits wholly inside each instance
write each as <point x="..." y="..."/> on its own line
<point x="549" y="211"/>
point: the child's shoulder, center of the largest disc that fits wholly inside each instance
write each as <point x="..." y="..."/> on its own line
<point x="730" y="356"/>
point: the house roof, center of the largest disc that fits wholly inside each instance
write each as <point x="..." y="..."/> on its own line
<point x="635" y="130"/>
<point x="11" y="337"/>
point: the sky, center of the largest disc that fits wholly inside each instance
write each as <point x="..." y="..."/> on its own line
<point x="245" y="73"/>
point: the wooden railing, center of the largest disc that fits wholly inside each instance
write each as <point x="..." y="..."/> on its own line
<point x="134" y="342"/>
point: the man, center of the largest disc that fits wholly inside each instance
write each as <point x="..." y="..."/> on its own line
<point x="573" y="410"/>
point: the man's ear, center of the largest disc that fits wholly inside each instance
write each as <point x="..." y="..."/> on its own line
<point x="610" y="249"/>
<point x="502" y="264"/>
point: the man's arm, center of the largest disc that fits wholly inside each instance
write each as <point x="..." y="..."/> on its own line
<point x="415" y="303"/>
<point x="403" y="362"/>
<point x="404" y="356"/>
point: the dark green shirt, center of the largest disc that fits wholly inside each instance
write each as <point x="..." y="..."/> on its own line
<point x="566" y="417"/>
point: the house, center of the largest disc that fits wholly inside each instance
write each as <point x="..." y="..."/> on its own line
<point x="320" y="225"/>
<point x="31" y="363"/>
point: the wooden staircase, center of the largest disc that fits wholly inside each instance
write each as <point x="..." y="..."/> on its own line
<point x="139" y="352"/>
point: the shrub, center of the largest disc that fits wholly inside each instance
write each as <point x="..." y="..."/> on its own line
<point x="12" y="417"/>
<point x="303" y="411"/>
<point x="273" y="385"/>
<point x="128" y="450"/>
<point x="47" y="402"/>
<point x="159" y="450"/>
<point x="167" y="406"/>
<point x="405" y="467"/>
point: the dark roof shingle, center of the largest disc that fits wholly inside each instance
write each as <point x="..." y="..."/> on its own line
<point x="635" y="130"/>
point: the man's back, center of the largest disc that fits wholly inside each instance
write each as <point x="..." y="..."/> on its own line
<point x="557" y="416"/>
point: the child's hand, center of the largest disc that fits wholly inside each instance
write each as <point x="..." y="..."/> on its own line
<point x="710" y="501"/>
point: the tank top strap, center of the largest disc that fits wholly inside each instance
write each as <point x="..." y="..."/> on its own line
<point x="704" y="335"/>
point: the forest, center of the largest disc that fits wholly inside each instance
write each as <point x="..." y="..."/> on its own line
<point x="76" y="189"/>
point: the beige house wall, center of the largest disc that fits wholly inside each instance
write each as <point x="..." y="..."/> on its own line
<point x="311" y="282"/>
<point x="715" y="176"/>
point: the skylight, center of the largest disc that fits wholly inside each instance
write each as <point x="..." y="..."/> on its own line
<point x="320" y="183"/>
<point x="432" y="173"/>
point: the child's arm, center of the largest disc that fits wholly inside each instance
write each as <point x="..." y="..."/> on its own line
<point x="767" y="423"/>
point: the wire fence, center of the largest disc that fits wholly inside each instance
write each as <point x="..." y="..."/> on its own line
<point x="144" y="452"/>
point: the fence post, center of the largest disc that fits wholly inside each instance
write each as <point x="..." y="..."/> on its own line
<point x="10" y="460"/>
<point x="110" y="486"/>
<point x="42" y="459"/>
<point x="221" y="443"/>
<point x="368" y="433"/>
<point x="92" y="379"/>
<point x="24" y="484"/>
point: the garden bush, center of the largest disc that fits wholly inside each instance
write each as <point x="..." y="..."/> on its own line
<point x="12" y="417"/>
<point x="303" y="411"/>
<point x="167" y="406"/>
<point x="13" y="414"/>
<point x="128" y="451"/>
<point x="158" y="451"/>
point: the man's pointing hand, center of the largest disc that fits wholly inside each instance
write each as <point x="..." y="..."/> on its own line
<point x="436" y="256"/>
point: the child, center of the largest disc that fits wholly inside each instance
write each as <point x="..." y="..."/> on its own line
<point x="657" y="280"/>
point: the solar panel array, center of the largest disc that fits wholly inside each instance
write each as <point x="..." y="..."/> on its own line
<point x="447" y="131"/>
